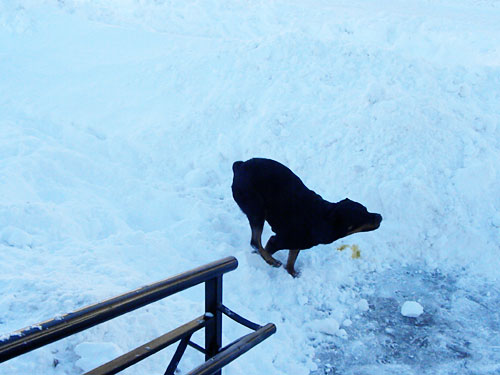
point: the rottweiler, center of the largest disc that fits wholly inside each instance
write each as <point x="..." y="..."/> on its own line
<point x="266" y="190"/>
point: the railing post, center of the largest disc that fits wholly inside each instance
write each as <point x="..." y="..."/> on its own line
<point x="213" y="329"/>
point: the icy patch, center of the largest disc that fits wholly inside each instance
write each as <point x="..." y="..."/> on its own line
<point x="459" y="332"/>
<point x="412" y="309"/>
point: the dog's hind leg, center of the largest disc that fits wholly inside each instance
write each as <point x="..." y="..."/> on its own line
<point x="277" y="243"/>
<point x="273" y="245"/>
<point x="290" y="263"/>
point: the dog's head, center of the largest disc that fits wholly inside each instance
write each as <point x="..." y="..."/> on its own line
<point x="349" y="217"/>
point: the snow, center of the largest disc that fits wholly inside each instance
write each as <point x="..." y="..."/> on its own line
<point x="327" y="326"/>
<point x="119" y="123"/>
<point x="347" y="323"/>
<point x="94" y="354"/>
<point x="412" y="309"/>
<point x="362" y="305"/>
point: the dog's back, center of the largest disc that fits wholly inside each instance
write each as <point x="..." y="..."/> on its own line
<point x="271" y="180"/>
<point x="273" y="190"/>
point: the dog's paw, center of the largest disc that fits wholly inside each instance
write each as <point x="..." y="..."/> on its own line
<point x="269" y="259"/>
<point x="293" y="273"/>
<point x="254" y="245"/>
<point x="275" y="263"/>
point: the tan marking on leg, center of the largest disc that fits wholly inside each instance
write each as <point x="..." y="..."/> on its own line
<point x="268" y="258"/>
<point x="257" y="239"/>
<point x="290" y="263"/>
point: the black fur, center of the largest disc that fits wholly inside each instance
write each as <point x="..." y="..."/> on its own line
<point x="266" y="190"/>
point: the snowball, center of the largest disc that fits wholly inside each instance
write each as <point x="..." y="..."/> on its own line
<point x="412" y="309"/>
<point x="342" y="333"/>
<point x="347" y="323"/>
<point x="362" y="305"/>
<point x="327" y="326"/>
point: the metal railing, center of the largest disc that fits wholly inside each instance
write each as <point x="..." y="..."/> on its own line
<point x="216" y="356"/>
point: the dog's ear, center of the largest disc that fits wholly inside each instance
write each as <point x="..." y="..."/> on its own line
<point x="341" y="212"/>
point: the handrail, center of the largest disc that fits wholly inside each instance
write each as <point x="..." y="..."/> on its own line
<point x="234" y="350"/>
<point x="142" y="352"/>
<point x="47" y="332"/>
<point x="216" y="357"/>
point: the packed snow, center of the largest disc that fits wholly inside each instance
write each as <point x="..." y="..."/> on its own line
<point x="119" y="123"/>
<point x="92" y="353"/>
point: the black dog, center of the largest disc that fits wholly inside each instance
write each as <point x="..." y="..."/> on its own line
<point x="267" y="190"/>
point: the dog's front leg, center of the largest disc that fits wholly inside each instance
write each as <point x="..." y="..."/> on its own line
<point x="257" y="243"/>
<point x="268" y="258"/>
<point x="290" y="263"/>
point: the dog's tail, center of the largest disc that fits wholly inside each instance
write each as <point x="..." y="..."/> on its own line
<point x="236" y="166"/>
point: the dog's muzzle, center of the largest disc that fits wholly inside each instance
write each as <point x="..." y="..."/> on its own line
<point x="377" y="219"/>
<point x="372" y="225"/>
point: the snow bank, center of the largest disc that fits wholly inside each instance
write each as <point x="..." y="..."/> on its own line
<point x="120" y="121"/>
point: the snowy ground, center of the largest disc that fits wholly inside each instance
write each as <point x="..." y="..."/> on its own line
<point x="119" y="123"/>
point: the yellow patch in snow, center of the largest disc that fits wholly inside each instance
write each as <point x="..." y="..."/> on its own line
<point x="356" y="252"/>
